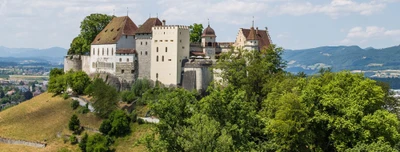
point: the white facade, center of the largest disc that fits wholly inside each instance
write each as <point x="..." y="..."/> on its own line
<point x="170" y="45"/>
<point x="102" y="58"/>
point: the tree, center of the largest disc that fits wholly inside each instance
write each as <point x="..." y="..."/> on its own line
<point x="116" y="125"/>
<point x="105" y="97"/>
<point x="90" y="27"/>
<point x="78" y="81"/>
<point x="2" y="94"/>
<point x="79" y="46"/>
<point x="196" y="31"/>
<point x="28" y="95"/>
<point x="82" y="144"/>
<point x="74" y="124"/>
<point x="74" y="104"/>
<point x="97" y="143"/>
<point x="57" y="81"/>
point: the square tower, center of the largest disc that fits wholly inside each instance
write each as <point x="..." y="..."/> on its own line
<point x="170" y="46"/>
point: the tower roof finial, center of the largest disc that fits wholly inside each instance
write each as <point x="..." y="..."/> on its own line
<point x="208" y="21"/>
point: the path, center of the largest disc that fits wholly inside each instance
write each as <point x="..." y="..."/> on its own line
<point x="83" y="102"/>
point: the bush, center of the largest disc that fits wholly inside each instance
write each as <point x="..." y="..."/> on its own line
<point x="74" y="124"/>
<point x="74" y="104"/>
<point x="140" y="121"/>
<point x="133" y="116"/>
<point x="83" y="110"/>
<point x="105" y="127"/>
<point x="73" y="140"/>
<point x="97" y="142"/>
<point x="116" y="125"/>
<point x="82" y="144"/>
<point x="65" y="96"/>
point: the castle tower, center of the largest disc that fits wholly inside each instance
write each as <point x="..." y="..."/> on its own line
<point x="208" y="42"/>
<point x="143" y="46"/>
<point x="251" y="42"/>
<point x="170" y="46"/>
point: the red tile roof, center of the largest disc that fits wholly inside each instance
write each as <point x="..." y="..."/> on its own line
<point x="261" y="35"/>
<point x="146" y="27"/>
<point x="126" y="51"/>
<point x="208" y="32"/>
<point x="115" y="29"/>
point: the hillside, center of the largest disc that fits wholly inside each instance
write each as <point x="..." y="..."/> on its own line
<point x="343" y="58"/>
<point x="39" y="119"/>
<point x="44" y="116"/>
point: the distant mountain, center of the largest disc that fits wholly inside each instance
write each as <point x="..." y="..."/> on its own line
<point x="54" y="54"/>
<point x="342" y="58"/>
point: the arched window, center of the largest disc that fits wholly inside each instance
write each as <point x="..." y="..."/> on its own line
<point x="146" y="43"/>
<point x="127" y="60"/>
<point x="141" y="43"/>
<point x="166" y="49"/>
<point x="145" y="52"/>
<point x="120" y="59"/>
<point x="157" y="58"/>
<point x="162" y="58"/>
<point x="157" y="49"/>
<point x="209" y="44"/>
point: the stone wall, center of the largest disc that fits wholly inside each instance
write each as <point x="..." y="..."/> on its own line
<point x="126" y="71"/>
<point x="197" y="75"/>
<point x="22" y="142"/>
<point x="72" y="62"/>
<point x="86" y="63"/>
<point x="143" y="48"/>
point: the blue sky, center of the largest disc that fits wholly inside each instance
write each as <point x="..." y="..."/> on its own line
<point x="293" y="24"/>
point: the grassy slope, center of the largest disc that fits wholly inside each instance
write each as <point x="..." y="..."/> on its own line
<point x="44" y="116"/>
<point x="39" y="119"/>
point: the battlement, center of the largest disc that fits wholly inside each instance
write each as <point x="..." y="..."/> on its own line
<point x="165" y="27"/>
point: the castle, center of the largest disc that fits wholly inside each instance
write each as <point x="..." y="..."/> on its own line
<point x="159" y="52"/>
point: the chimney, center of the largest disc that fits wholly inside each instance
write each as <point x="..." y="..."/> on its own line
<point x="256" y="30"/>
<point x="163" y="22"/>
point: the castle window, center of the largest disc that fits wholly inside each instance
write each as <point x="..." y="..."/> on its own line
<point x="169" y="59"/>
<point x="107" y="51"/>
<point x="98" y="51"/>
<point x="160" y="40"/>
<point x="166" y="40"/>
<point x="164" y="33"/>
<point x="183" y="47"/>
<point x="145" y="52"/>
<point x="112" y="51"/>
<point x="180" y="33"/>
<point x="146" y="43"/>
<point x="162" y="59"/>
<point x="127" y="60"/>
<point x="209" y="44"/>
<point x="157" y="58"/>
<point x="122" y="71"/>
<point x="180" y="41"/>
<point x="172" y="40"/>
<point x="126" y="36"/>
<point x="94" y="51"/>
<point x="157" y="49"/>
<point x="156" y="75"/>
<point x="166" y="49"/>
<point x="141" y="52"/>
<point x="120" y="59"/>
<point x="141" y="43"/>
<point x="132" y="71"/>
<point x="155" y="40"/>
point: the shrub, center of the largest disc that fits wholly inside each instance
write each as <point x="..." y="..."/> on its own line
<point x="74" y="104"/>
<point x="83" y="110"/>
<point x="105" y="127"/>
<point x="74" y="124"/>
<point x="73" y="140"/>
<point x="133" y="116"/>
<point x="97" y="142"/>
<point x="116" y="125"/>
<point x="140" y="121"/>
<point x="82" y="144"/>
<point x="65" y="96"/>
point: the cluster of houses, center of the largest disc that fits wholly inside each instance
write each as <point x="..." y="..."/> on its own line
<point x="160" y="52"/>
<point x="20" y="87"/>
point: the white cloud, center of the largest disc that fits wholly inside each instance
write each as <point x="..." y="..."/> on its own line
<point x="365" y="34"/>
<point x="334" y="9"/>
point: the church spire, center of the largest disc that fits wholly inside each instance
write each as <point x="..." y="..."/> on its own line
<point x="252" y="24"/>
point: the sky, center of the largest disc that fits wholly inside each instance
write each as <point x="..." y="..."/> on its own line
<point x="292" y="24"/>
